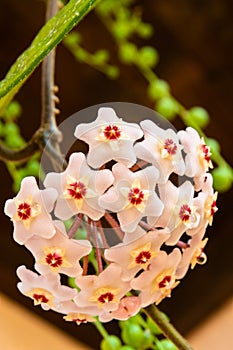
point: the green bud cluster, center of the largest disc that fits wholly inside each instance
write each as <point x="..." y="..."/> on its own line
<point x="112" y="342"/>
<point x="168" y="107"/>
<point x="9" y="130"/>
<point x="139" y="333"/>
<point x="98" y="60"/>
<point x="223" y="177"/>
<point x="200" y="116"/>
<point x="11" y="138"/>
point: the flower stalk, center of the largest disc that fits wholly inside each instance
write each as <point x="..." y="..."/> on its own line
<point x="167" y="328"/>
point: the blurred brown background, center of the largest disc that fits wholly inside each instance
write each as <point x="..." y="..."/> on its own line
<point x="195" y="42"/>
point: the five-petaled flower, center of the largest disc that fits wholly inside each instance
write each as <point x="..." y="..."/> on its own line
<point x="179" y="212"/>
<point x="198" y="155"/>
<point x="132" y="196"/>
<point x="109" y="138"/>
<point x="158" y="281"/>
<point x="104" y="290"/>
<point x="29" y="209"/>
<point x="45" y="290"/>
<point x="138" y="254"/>
<point x="58" y="254"/>
<point x="79" y="188"/>
<point x="162" y="149"/>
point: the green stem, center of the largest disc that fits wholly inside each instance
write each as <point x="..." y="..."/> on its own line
<point x="101" y="329"/>
<point x="167" y="328"/>
<point x="49" y="36"/>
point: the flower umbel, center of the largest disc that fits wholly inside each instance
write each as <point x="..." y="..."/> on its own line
<point x="126" y="218"/>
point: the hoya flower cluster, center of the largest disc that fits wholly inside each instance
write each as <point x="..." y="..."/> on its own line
<point x="142" y="226"/>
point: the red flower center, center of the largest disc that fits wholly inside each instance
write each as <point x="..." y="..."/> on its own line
<point x="213" y="208"/>
<point x="170" y="146"/>
<point x="77" y="190"/>
<point x="143" y="257"/>
<point x="40" y="298"/>
<point x="165" y="281"/>
<point x="112" y="132"/>
<point x="24" y="211"/>
<point x="135" y="196"/>
<point x="54" y="259"/>
<point x="206" y="152"/>
<point x="106" y="298"/>
<point x="80" y="320"/>
<point x="185" y="212"/>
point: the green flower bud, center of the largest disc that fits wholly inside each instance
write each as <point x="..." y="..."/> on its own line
<point x="147" y="57"/>
<point x="127" y="347"/>
<point x="121" y="30"/>
<point x="81" y="54"/>
<point x="145" y="30"/>
<point x="112" y="72"/>
<point x="223" y="177"/>
<point x="14" y="141"/>
<point x="73" y="38"/>
<point x="148" y="339"/>
<point x="167" y="107"/>
<point x="11" y="129"/>
<point x="158" y="89"/>
<point x="166" y="344"/>
<point x="105" y="7"/>
<point x="127" y="53"/>
<point x="101" y="56"/>
<point x="13" y="111"/>
<point x="200" y="116"/>
<point x="213" y="144"/>
<point x="112" y="342"/>
<point x="132" y="334"/>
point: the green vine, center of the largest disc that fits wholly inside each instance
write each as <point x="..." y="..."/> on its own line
<point x="48" y="37"/>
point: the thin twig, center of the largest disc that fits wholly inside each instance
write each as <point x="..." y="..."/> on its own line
<point x="97" y="248"/>
<point x="114" y="225"/>
<point x="102" y="234"/>
<point x="56" y="157"/>
<point x="85" y="265"/>
<point x="167" y="328"/>
<point x="48" y="113"/>
<point x="22" y="154"/>
<point x="86" y="258"/>
<point x="182" y="245"/>
<point x="146" y="226"/>
<point x="48" y="133"/>
<point x="75" y="226"/>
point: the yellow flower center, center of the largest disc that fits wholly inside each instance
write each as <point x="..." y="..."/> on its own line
<point x="55" y="258"/>
<point x="142" y="256"/>
<point x="26" y="211"/>
<point x="104" y="295"/>
<point x="40" y="295"/>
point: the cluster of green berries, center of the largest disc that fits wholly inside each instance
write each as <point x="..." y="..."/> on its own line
<point x="138" y="334"/>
